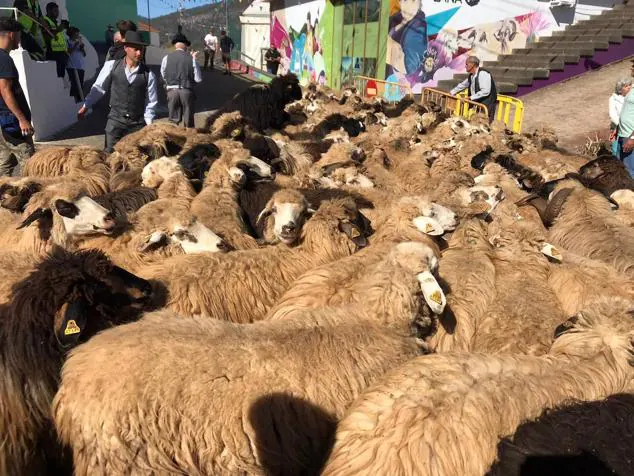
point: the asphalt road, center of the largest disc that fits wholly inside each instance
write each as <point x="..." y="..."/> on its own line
<point x="212" y="93"/>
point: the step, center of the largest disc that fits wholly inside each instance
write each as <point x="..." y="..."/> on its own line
<point x="529" y="72"/>
<point x="553" y="43"/>
<point x="614" y="36"/>
<point x="519" y="79"/>
<point x="570" y="56"/>
<point x="547" y="64"/>
<point x="502" y="86"/>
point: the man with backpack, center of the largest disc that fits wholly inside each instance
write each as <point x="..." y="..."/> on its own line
<point x="481" y="86"/>
<point x="133" y="91"/>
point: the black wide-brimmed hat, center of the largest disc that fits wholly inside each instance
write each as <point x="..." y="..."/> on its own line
<point x="134" y="38"/>
<point x="180" y="38"/>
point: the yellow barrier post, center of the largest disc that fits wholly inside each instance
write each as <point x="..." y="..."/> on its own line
<point x="454" y="105"/>
<point x="510" y="111"/>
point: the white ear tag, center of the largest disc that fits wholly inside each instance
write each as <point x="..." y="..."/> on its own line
<point x="429" y="226"/>
<point x="434" y="297"/>
<point x="552" y="252"/>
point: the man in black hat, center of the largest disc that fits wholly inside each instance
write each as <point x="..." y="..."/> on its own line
<point x="133" y="91"/>
<point x="180" y="71"/>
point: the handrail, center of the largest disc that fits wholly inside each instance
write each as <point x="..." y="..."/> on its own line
<point x="15" y="11"/>
<point x="454" y="105"/>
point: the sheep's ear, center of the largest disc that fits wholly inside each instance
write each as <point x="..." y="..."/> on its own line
<point x="354" y="233"/>
<point x="66" y="209"/>
<point x="432" y="292"/>
<point x="154" y="241"/>
<point x="268" y="210"/>
<point x="36" y="215"/>
<point x="566" y="326"/>
<point x="72" y="317"/>
<point x="429" y="226"/>
<point x="552" y="252"/>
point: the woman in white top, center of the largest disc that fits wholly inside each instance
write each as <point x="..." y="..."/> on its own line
<point x="75" y="63"/>
<point x="615" y="104"/>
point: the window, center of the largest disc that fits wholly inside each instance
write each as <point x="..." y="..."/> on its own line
<point x="374" y="10"/>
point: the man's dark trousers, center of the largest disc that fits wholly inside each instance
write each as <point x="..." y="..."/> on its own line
<point x="180" y="103"/>
<point x="117" y="128"/>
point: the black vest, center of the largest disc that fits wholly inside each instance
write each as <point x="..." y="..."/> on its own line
<point x="489" y="100"/>
<point x="179" y="70"/>
<point x="127" y="100"/>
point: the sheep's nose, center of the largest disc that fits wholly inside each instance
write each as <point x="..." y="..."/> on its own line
<point x="224" y="246"/>
<point x="289" y="227"/>
<point x="108" y="220"/>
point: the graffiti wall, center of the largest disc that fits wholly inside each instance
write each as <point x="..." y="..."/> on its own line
<point x="301" y="34"/>
<point x="429" y="40"/>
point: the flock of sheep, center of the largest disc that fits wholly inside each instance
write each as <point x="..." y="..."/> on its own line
<point x="318" y="284"/>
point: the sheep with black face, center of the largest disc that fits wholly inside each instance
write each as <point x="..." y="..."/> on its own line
<point x="67" y="299"/>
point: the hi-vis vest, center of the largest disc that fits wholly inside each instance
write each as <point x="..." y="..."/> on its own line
<point x="28" y="24"/>
<point x="58" y="42"/>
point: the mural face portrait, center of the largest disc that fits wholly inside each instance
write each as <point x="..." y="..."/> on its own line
<point x="409" y="9"/>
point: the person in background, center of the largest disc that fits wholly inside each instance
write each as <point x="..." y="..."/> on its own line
<point x="133" y="92"/>
<point x="75" y="65"/>
<point x="211" y="45"/>
<point x="109" y="37"/>
<point x="180" y="71"/>
<point x="31" y="37"/>
<point x="226" y="45"/>
<point x="626" y="133"/>
<point x="116" y="51"/>
<point x="272" y="58"/>
<point x="481" y="86"/>
<point x="615" y="105"/>
<point x="15" y="115"/>
<point x="56" y="47"/>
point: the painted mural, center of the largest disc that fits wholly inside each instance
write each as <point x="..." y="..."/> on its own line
<point x="429" y="40"/>
<point x="299" y="33"/>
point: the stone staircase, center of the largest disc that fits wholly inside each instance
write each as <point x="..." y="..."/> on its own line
<point x="586" y="45"/>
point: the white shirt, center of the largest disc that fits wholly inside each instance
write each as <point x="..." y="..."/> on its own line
<point x="97" y="91"/>
<point x="198" y="77"/>
<point x="615" y="106"/>
<point x="211" y="42"/>
<point x="484" y="80"/>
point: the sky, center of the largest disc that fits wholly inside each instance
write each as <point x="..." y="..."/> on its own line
<point x="163" y="7"/>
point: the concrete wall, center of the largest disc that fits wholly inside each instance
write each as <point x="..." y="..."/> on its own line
<point x="93" y="16"/>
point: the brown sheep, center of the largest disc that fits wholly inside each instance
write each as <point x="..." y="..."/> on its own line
<point x="65" y="300"/>
<point x="242" y="286"/>
<point x="444" y="414"/>
<point x="247" y="409"/>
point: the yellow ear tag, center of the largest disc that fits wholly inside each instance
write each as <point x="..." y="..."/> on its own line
<point x="355" y="233"/>
<point x="552" y="252"/>
<point x="71" y="328"/>
<point x="235" y="132"/>
<point x="435" y="296"/>
<point x="429" y="228"/>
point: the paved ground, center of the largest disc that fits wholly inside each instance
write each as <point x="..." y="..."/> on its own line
<point x="576" y="109"/>
<point x="215" y="89"/>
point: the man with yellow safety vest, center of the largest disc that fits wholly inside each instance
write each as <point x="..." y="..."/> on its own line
<point x="30" y="17"/>
<point x="56" y="46"/>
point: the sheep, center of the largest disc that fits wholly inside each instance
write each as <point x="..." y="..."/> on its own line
<point x="581" y="221"/>
<point x="55" y="216"/>
<point x="125" y="179"/>
<point x="85" y="164"/>
<point x="263" y="104"/>
<point x="167" y="176"/>
<point x="468" y="270"/>
<point x="158" y="230"/>
<point x="525" y="308"/>
<point x="247" y="409"/>
<point x="593" y="438"/>
<point x="444" y="414"/>
<point x="283" y="217"/>
<point x="66" y="299"/>
<point x="338" y="284"/>
<point x="247" y="283"/>
<point x="217" y="205"/>
<point x="607" y="175"/>
<point x="126" y="201"/>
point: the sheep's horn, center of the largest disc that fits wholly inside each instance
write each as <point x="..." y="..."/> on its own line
<point x="540" y="204"/>
<point x="555" y="205"/>
<point x="528" y="198"/>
